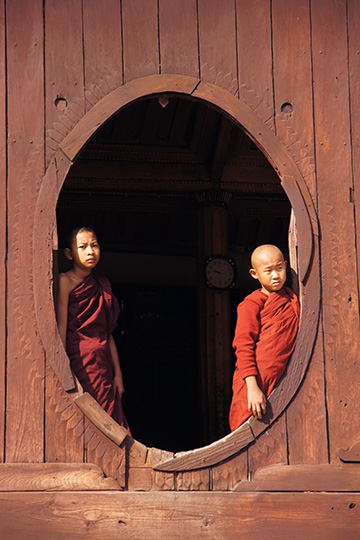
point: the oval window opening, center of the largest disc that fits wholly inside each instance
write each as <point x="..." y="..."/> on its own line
<point x="169" y="184"/>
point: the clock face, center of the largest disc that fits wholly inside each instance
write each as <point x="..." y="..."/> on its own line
<point x="220" y="272"/>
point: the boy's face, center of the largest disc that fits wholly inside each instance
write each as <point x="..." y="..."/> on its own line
<point x="85" y="252"/>
<point x="270" y="270"/>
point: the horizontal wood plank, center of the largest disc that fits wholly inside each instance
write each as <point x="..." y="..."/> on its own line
<point x="329" y="478"/>
<point x="54" y="477"/>
<point x="160" y="516"/>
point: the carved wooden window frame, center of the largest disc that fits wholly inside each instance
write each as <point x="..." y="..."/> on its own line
<point x="308" y="265"/>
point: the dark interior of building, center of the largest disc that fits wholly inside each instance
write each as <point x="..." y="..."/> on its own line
<point x="139" y="183"/>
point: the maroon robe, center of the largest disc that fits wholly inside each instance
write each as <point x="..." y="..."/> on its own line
<point x="92" y="317"/>
<point x="265" y="337"/>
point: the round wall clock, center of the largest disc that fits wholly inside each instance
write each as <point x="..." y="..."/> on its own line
<point x="220" y="272"/>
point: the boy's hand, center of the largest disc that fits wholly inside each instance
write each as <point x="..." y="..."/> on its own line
<point x="256" y="398"/>
<point x="119" y="385"/>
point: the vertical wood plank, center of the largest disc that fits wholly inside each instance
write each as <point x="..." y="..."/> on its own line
<point x="104" y="453"/>
<point x="178" y="37"/>
<point x="64" y="424"/>
<point x="217" y="38"/>
<point x="102" y="48"/>
<point x="306" y="415"/>
<point x="336" y="214"/>
<point x="255" y="57"/>
<point x="3" y="180"/>
<point x="140" y="38"/>
<point x="25" y="358"/>
<point x="295" y="128"/>
<point x="354" y="72"/>
<point x="270" y="448"/>
<point x="226" y="475"/>
<point x="64" y="70"/>
<point x="293" y="84"/>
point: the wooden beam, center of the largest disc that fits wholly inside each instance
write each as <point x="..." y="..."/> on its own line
<point x="194" y="516"/>
<point x="101" y="419"/>
<point x="329" y="478"/>
<point x="54" y="477"/>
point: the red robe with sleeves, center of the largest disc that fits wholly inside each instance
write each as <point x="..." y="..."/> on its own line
<point x="264" y="339"/>
<point x="92" y="317"/>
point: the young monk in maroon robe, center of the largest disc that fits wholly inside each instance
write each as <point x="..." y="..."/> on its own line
<point x="265" y="334"/>
<point x="87" y="315"/>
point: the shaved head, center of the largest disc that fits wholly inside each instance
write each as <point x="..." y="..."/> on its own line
<point x="261" y="253"/>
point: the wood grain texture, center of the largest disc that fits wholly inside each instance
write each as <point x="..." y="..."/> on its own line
<point x="103" y="69"/>
<point x="326" y="478"/>
<point x="106" y="454"/>
<point x="211" y="454"/>
<point x="353" y="23"/>
<point x="228" y="474"/>
<point x="140" y="38"/>
<point x="254" y="50"/>
<point x="293" y="84"/>
<point x="64" y="70"/>
<point x="178" y="38"/>
<point x="351" y="454"/>
<point x="336" y="215"/>
<point x="25" y="356"/>
<point x="160" y="516"/>
<point x="43" y="258"/>
<point x="306" y="415"/>
<point x="101" y="419"/>
<point x="54" y="477"/>
<point x="270" y="448"/>
<point x="217" y="40"/>
<point x="3" y="227"/>
<point x="64" y="423"/>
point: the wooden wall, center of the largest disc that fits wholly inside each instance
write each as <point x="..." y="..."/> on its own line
<point x="57" y="60"/>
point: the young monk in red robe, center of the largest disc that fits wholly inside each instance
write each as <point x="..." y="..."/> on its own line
<point x="265" y="334"/>
<point x="87" y="315"/>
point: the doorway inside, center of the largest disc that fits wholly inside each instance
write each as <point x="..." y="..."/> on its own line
<point x="142" y="182"/>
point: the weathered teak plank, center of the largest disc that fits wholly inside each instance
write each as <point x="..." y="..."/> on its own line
<point x="101" y="419"/>
<point x="354" y="72"/>
<point x="351" y="454"/>
<point x="255" y="57"/>
<point x="211" y="454"/>
<point x="226" y="475"/>
<point x="25" y="356"/>
<point x="140" y="38"/>
<point x="270" y="448"/>
<point x="64" y="423"/>
<point x="103" y="70"/>
<point x="160" y="516"/>
<point x="64" y="70"/>
<point x="336" y="215"/>
<point x="178" y="38"/>
<point x="54" y="477"/>
<point x="3" y="226"/>
<point x="217" y="40"/>
<point x="292" y="82"/>
<point x="329" y="478"/>
<point x="105" y="453"/>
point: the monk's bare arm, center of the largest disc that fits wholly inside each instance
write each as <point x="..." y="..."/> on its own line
<point x="65" y="287"/>
<point x="256" y="398"/>
<point x="118" y="378"/>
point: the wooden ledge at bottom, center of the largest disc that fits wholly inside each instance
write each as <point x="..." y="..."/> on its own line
<point x="328" y="478"/>
<point x="54" y="477"/>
